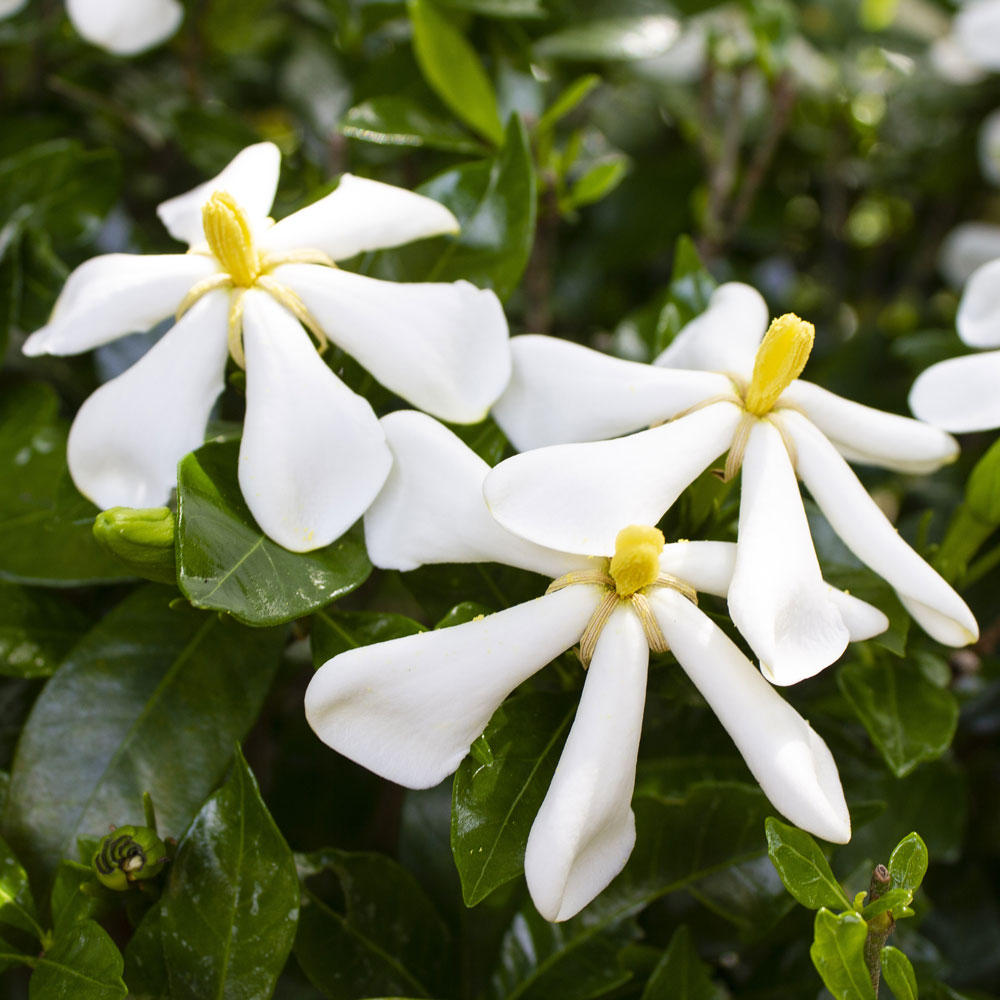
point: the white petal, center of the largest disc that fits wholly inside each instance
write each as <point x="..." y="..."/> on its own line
<point x="791" y="763"/>
<point x="8" y="7"/>
<point x="966" y="247"/>
<point x="431" y="509"/>
<point x="585" y="829"/>
<point x="251" y="177"/>
<point x="863" y="620"/>
<point x="873" y="437"/>
<point x="125" y="27"/>
<point x="777" y="598"/>
<point x="313" y="455"/>
<point x="866" y="531"/>
<point x="577" y="497"/>
<point x="128" y="436"/>
<point x="725" y="337"/>
<point x="560" y="392"/>
<point x="409" y="709"/>
<point x="360" y="215"/>
<point x="977" y="27"/>
<point x="706" y="566"/>
<point x="951" y="61"/>
<point x="118" y="293"/>
<point x="442" y="346"/>
<point x="960" y="394"/>
<point x="978" y="319"/>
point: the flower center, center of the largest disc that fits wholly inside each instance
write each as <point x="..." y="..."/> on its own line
<point x="636" y="562"/>
<point x="227" y="230"/>
<point x="780" y="359"/>
<point x="634" y="566"/>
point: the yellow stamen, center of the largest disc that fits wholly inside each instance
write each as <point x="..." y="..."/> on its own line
<point x="780" y="359"/>
<point x="230" y="239"/>
<point x="636" y="562"/>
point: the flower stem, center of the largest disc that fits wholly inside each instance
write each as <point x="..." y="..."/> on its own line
<point x="879" y="927"/>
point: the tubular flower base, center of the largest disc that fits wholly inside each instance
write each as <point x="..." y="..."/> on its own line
<point x="722" y="386"/>
<point x="313" y="455"/>
<point x="410" y="708"/>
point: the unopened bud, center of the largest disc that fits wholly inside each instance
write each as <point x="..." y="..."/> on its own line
<point x="143" y="539"/>
<point x="129" y="854"/>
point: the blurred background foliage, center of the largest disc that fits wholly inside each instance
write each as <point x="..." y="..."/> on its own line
<point x="610" y="160"/>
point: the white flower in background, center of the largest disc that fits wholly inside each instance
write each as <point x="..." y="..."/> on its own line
<point x="410" y="708"/>
<point x="971" y="48"/>
<point x="966" y="248"/>
<point x="124" y="27"/>
<point x="739" y="393"/>
<point x="313" y="454"/>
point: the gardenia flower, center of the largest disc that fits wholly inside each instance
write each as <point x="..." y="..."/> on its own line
<point x="742" y="393"/>
<point x="409" y="709"/>
<point x="313" y="454"/>
<point x="124" y="27"/>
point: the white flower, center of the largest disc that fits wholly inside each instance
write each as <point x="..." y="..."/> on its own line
<point x="409" y="708"/>
<point x="313" y="454"/>
<point x="124" y="27"/>
<point x="740" y="393"/>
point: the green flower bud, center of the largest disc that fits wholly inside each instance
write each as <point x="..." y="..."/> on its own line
<point x="129" y="854"/>
<point x="142" y="539"/>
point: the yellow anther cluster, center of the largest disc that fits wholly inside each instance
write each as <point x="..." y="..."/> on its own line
<point x="636" y="562"/>
<point x="230" y="239"/>
<point x="780" y="359"/>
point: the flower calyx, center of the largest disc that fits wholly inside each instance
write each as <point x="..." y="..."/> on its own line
<point x="230" y="241"/>
<point x="631" y="571"/>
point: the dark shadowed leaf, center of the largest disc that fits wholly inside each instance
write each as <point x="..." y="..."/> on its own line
<point x="612" y="38"/>
<point x="83" y="964"/>
<point x="228" y="913"/>
<point x="681" y="974"/>
<point x="397" y="120"/>
<point x="227" y="563"/>
<point x="36" y="631"/>
<point x="335" y="632"/>
<point x="151" y="699"/>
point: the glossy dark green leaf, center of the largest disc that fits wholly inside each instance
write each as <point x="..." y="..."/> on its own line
<point x="898" y="974"/>
<point x="464" y="611"/>
<point x="335" y="631"/>
<point x="83" y="964"/>
<point x="681" y="974"/>
<point x="494" y="804"/>
<point x="612" y="38"/>
<point x="69" y="903"/>
<point x="225" y="562"/>
<point x="36" y="631"/>
<point x="45" y="525"/>
<point x="230" y="907"/>
<point x="17" y="907"/>
<point x="908" y="862"/>
<point x="381" y="937"/>
<point x="145" y="966"/>
<point x="838" y="952"/>
<point x="151" y="699"/>
<point x="398" y="120"/>
<point x="907" y="717"/>
<point x="453" y="69"/>
<point x="803" y="867"/>
<point x="494" y="202"/>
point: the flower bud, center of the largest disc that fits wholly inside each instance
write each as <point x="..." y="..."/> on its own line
<point x="129" y="854"/>
<point x="143" y="539"/>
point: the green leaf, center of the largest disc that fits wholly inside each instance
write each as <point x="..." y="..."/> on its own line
<point x="802" y="866"/>
<point x="598" y="182"/>
<point x="612" y="38"/>
<point x="69" y="904"/>
<point x="898" y="974"/>
<point x="36" y="631"/>
<point x="230" y="907"/>
<point x="151" y="699"/>
<point x="397" y="120"/>
<point x="894" y="899"/>
<point x="908" y="718"/>
<point x="145" y="967"/>
<point x="83" y="964"/>
<point x="335" y="632"/>
<point x="681" y="974"/>
<point x="877" y="15"/>
<point x="17" y="907"/>
<point x="499" y="8"/>
<point x="225" y="561"/>
<point x="494" y="202"/>
<point x="838" y="952"/>
<point x="908" y="863"/>
<point x="452" y="68"/>
<point x="494" y="804"/>
<point x="45" y="525"/>
<point x="576" y="92"/>
<point x="381" y="938"/>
